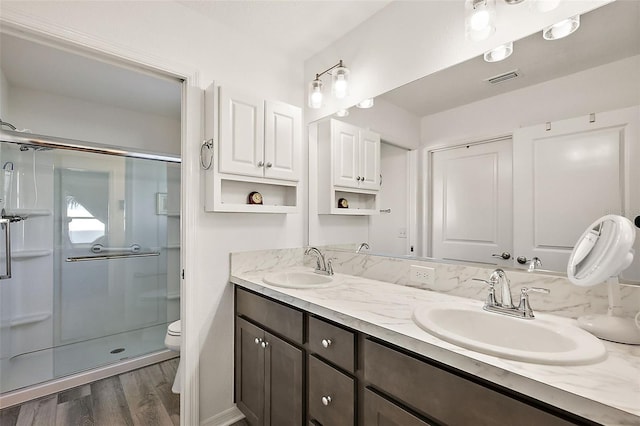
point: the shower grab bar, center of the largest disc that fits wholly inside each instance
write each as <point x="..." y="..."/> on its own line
<point x="111" y="256"/>
<point x="5" y="224"/>
<point x="99" y="248"/>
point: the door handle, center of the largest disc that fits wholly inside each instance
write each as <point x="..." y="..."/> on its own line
<point x="504" y="255"/>
<point x="4" y="224"/>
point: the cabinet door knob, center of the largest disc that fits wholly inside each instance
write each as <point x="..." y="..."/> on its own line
<point x="358" y="178"/>
<point x="258" y="340"/>
<point x="326" y="343"/>
<point x="326" y="400"/>
<point x="264" y="344"/>
<point x="269" y="165"/>
<point x="260" y="163"/>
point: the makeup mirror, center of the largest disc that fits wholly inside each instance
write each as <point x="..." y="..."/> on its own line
<point x="603" y="251"/>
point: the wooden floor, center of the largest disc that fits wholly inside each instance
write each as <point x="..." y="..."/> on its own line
<point x="141" y="397"/>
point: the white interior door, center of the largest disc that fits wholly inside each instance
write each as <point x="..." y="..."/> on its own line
<point x="567" y="177"/>
<point x="472" y="202"/>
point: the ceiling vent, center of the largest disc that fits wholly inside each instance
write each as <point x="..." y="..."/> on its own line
<point x="503" y="77"/>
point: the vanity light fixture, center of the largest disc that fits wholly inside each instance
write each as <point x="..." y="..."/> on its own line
<point x="479" y="19"/>
<point x="342" y="113"/>
<point x="499" y="53"/>
<point x="365" y="103"/>
<point x="562" y="28"/>
<point x="339" y="84"/>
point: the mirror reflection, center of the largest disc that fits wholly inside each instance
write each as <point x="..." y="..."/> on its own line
<point x="500" y="163"/>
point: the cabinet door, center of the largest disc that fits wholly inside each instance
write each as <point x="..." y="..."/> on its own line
<point x="378" y="411"/>
<point x="250" y="377"/>
<point x="283" y="127"/>
<point x="283" y="394"/>
<point x="331" y="395"/>
<point x="345" y="144"/>
<point x="369" y="160"/>
<point x="241" y="146"/>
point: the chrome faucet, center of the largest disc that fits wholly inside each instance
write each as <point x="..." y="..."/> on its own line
<point x="506" y="306"/>
<point x="534" y="263"/>
<point x="323" y="266"/>
<point x="362" y="246"/>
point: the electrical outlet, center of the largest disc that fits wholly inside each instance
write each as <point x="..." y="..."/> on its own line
<point x="422" y="275"/>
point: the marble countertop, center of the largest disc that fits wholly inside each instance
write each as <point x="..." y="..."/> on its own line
<point x="607" y="392"/>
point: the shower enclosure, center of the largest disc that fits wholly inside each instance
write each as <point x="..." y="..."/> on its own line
<point x="89" y="256"/>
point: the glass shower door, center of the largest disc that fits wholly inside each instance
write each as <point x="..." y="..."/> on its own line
<point x="95" y="258"/>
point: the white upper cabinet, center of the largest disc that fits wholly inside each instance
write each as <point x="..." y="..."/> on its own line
<point x="259" y="138"/>
<point x="348" y="168"/>
<point x="356" y="156"/>
<point x="255" y="148"/>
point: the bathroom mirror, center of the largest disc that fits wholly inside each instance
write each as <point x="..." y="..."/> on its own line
<point x="418" y="119"/>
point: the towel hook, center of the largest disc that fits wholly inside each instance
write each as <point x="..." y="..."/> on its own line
<point x="208" y="144"/>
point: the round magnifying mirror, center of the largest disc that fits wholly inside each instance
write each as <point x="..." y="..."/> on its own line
<point x="603" y="251"/>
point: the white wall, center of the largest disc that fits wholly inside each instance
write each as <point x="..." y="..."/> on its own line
<point x="171" y="34"/>
<point x="395" y="125"/>
<point x="603" y="88"/>
<point x="4" y="96"/>
<point x="50" y="114"/>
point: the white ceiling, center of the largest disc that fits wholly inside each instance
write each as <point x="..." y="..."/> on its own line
<point x="297" y="29"/>
<point x="606" y="34"/>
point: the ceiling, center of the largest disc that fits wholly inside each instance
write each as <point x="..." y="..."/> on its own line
<point x="606" y="34"/>
<point x="295" y="29"/>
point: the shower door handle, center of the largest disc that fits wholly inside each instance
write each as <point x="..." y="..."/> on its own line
<point x="5" y="225"/>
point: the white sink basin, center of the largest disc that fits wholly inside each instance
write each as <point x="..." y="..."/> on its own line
<point x="298" y="279"/>
<point x="541" y="341"/>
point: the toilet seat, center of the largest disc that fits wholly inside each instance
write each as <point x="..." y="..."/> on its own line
<point x="174" y="329"/>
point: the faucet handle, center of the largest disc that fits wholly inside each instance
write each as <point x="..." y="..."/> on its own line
<point x="330" y="266"/>
<point x="524" y="307"/>
<point x="491" y="297"/>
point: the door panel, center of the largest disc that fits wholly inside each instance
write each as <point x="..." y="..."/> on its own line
<point x="567" y="177"/>
<point x="369" y="160"/>
<point x="249" y="367"/>
<point x="345" y="167"/>
<point x="284" y="378"/>
<point x="472" y="202"/>
<point x="241" y="133"/>
<point x="282" y="140"/>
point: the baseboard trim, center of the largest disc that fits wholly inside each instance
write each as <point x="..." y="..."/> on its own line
<point x="226" y="418"/>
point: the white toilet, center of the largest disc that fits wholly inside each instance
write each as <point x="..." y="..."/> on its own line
<point x="172" y="341"/>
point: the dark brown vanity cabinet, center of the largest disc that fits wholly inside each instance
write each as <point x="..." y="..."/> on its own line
<point x="294" y="368"/>
<point x="269" y="371"/>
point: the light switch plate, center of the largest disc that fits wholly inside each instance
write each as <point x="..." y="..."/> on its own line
<point x="422" y="275"/>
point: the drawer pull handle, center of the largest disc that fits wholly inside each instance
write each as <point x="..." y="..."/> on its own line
<point x="264" y="344"/>
<point x="326" y="343"/>
<point x="258" y="340"/>
<point x="326" y="400"/>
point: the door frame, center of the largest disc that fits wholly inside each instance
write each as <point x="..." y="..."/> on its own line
<point x="31" y="27"/>
<point x="426" y="241"/>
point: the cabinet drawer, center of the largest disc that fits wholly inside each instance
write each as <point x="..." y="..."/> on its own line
<point x="279" y="318"/>
<point x="326" y="382"/>
<point x="332" y="343"/>
<point x="439" y="394"/>
<point x="378" y="411"/>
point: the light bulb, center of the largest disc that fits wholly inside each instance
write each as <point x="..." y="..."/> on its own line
<point x="562" y="28"/>
<point x="499" y="53"/>
<point x="479" y="19"/>
<point x="315" y="94"/>
<point x="545" y="5"/>
<point x="340" y="82"/>
<point x="365" y="103"/>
